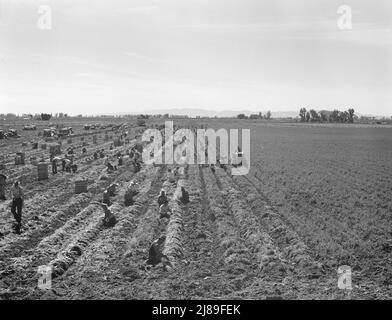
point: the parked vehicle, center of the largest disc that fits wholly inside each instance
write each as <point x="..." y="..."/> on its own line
<point x="30" y="127"/>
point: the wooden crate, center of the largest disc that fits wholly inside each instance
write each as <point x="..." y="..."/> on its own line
<point x="117" y="143"/>
<point x="20" y="158"/>
<point x="81" y="186"/>
<point x="43" y="170"/>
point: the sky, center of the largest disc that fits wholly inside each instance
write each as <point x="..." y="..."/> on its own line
<point x="122" y="56"/>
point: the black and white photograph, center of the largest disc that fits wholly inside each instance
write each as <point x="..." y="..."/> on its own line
<point x="219" y="151"/>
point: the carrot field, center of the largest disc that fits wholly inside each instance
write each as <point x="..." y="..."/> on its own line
<point x="316" y="198"/>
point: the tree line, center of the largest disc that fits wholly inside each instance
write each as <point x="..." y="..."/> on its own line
<point x="266" y="116"/>
<point x="327" y="116"/>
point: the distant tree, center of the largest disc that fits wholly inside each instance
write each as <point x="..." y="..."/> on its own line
<point x="261" y="115"/>
<point x="307" y="116"/>
<point x="351" y="115"/>
<point x="334" y="116"/>
<point x="314" y="115"/>
<point x="46" y="116"/>
<point x="343" y="116"/>
<point x="302" y="114"/>
<point x="242" y="116"/>
<point x="323" y="117"/>
<point x="254" y="116"/>
<point x="267" y="116"/>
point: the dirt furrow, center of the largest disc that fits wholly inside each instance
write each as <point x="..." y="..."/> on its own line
<point x="53" y="217"/>
<point x="111" y="263"/>
<point x="54" y="192"/>
<point x="293" y="248"/>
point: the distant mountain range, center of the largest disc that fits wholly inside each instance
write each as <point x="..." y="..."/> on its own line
<point x="193" y="112"/>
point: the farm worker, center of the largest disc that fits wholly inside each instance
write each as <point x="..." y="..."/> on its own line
<point x="106" y="197"/>
<point x="54" y="164"/>
<point x="109" y="220"/>
<point x="162" y="198"/>
<point x="164" y="211"/>
<point x="155" y="253"/>
<point x="184" y="196"/>
<point x="120" y="160"/>
<point x="67" y="165"/>
<point x="16" y="194"/>
<point x="3" y="179"/>
<point x="130" y="193"/>
<point x="95" y="155"/>
<point x="109" y="166"/>
<point x="136" y="165"/>
<point x="63" y="162"/>
<point x="112" y="189"/>
<point x="74" y="168"/>
<point x="132" y="188"/>
<point x="171" y="176"/>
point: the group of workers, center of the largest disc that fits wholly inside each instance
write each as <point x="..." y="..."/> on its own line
<point x="163" y="203"/>
<point x="67" y="164"/>
<point x="155" y="253"/>
<point x="134" y="155"/>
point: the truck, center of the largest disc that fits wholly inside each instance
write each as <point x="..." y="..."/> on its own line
<point x="65" y="132"/>
<point x="30" y="127"/>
